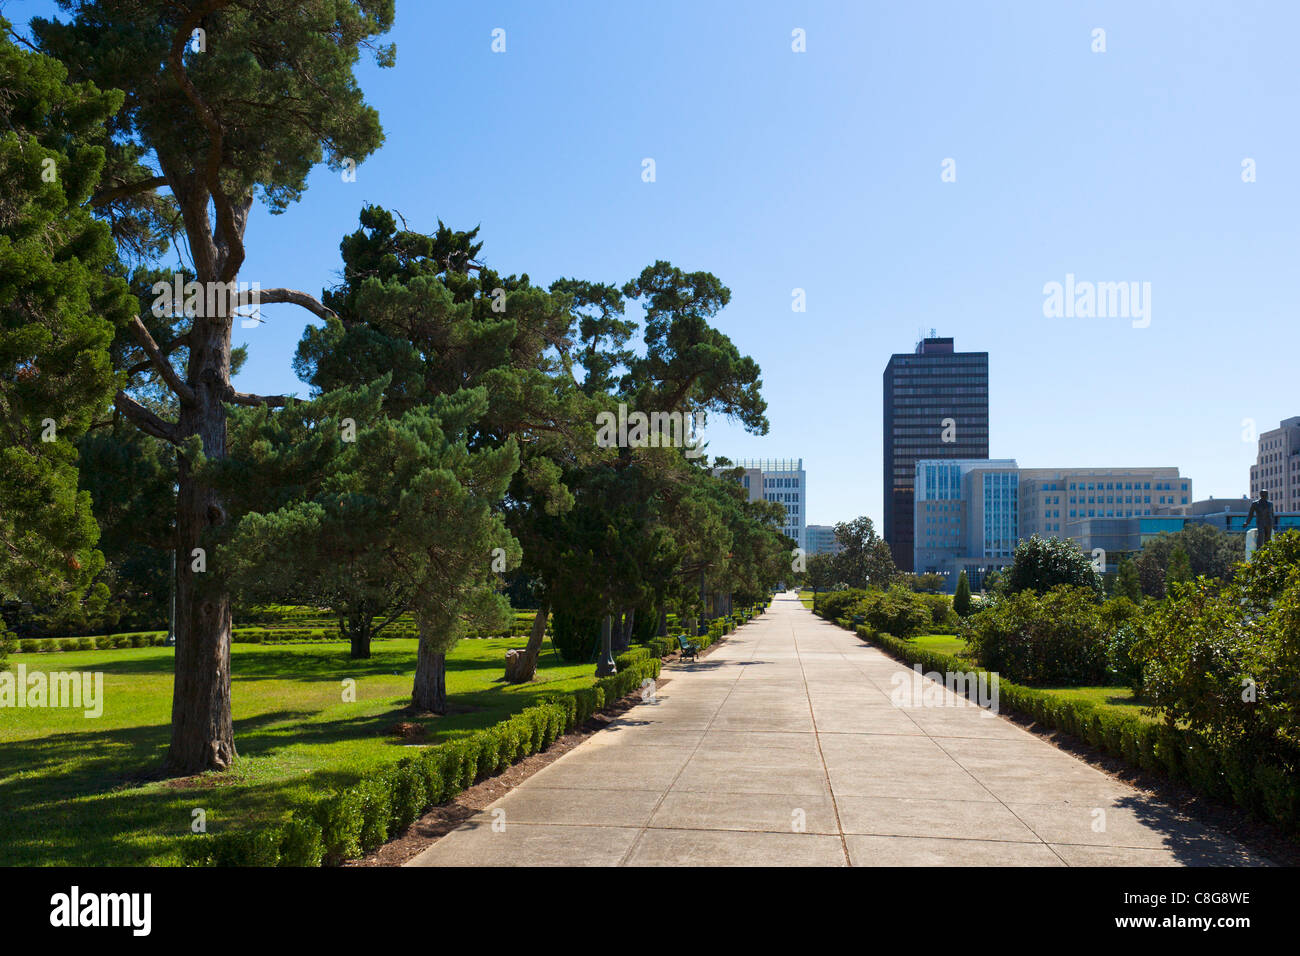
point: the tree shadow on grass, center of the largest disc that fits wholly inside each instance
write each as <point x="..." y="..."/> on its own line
<point x="135" y="825"/>
<point x="66" y="766"/>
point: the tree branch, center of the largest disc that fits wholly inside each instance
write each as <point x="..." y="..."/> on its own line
<point x="147" y="421"/>
<point x="248" y="398"/>
<point x="290" y="296"/>
<point x="164" y="367"/>
<point x="226" y="229"/>
<point x="106" y="196"/>
<point x="167" y="349"/>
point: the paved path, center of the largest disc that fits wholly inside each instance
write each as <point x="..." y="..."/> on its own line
<point x="783" y="747"/>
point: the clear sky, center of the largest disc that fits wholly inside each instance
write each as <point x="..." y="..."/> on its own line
<point x="822" y="170"/>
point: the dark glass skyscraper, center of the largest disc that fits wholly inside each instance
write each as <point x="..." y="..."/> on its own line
<point x="936" y="406"/>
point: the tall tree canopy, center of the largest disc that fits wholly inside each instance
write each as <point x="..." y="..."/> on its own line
<point x="224" y="101"/>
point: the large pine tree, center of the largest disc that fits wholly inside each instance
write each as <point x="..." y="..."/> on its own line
<point x="225" y="101"/>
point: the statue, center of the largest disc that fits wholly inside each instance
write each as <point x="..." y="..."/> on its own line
<point x="1263" y="508"/>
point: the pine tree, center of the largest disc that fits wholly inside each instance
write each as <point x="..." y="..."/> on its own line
<point x="961" y="600"/>
<point x="224" y="125"/>
<point x="59" y="303"/>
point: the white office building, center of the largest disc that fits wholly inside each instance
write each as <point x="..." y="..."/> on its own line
<point x="784" y="481"/>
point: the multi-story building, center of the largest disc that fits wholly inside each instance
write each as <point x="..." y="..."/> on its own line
<point x="971" y="514"/>
<point x="1052" y="499"/>
<point x="784" y="481"/>
<point x="965" y="517"/>
<point x="821" y="539"/>
<point x="936" y="406"/>
<point x="1277" y="467"/>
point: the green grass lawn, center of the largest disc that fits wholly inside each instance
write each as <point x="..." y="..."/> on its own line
<point x="806" y="599"/>
<point x="77" y="791"/>
<point x="1113" y="698"/>
<point x="1116" y="698"/>
<point x="940" y="643"/>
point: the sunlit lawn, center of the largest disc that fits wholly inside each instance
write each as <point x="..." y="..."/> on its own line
<point x="73" y="790"/>
<point x="1116" y="698"/>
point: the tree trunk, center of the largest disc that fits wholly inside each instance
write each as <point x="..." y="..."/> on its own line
<point x="605" y="663"/>
<point x="430" y="689"/>
<point x="359" y="633"/>
<point x="522" y="666"/>
<point x="203" y="736"/>
<point x="623" y="631"/>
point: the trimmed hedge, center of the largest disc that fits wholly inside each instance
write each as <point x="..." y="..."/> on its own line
<point x="345" y="823"/>
<point x="49" y="645"/>
<point x="1262" y="789"/>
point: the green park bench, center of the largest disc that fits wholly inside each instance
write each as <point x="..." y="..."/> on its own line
<point x="689" y="647"/>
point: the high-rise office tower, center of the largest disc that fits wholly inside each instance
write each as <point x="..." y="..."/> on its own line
<point x="936" y="406"/>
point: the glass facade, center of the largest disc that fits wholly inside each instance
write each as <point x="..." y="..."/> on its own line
<point x="1001" y="508"/>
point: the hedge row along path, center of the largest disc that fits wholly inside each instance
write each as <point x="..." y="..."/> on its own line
<point x="784" y="747"/>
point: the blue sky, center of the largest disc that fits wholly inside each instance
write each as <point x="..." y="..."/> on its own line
<point x="821" y="170"/>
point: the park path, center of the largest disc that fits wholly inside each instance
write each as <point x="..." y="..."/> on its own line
<point x="783" y="747"/>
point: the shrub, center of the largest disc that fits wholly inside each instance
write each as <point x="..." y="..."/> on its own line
<point x="339" y="817"/>
<point x="1041" y="564"/>
<point x="375" y="803"/>
<point x="300" y="843"/>
<point x="1055" y="638"/>
<point x="943" y="617"/>
<point x="1227" y="665"/>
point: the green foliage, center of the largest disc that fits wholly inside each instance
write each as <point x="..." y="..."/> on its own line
<point x="1209" y="552"/>
<point x="1053" y="638"/>
<point x="59" y="305"/>
<point x="897" y="611"/>
<point x="1263" y="580"/>
<point x="961" y="603"/>
<point x="864" y="559"/>
<point x="1127" y="582"/>
<point x="1227" y="667"/>
<point x="400" y="516"/>
<point x="929" y="583"/>
<point x="576" y="632"/>
<point x="1041" y="564"/>
<point x="7" y="644"/>
<point x="1180" y="568"/>
<point x="820" y="573"/>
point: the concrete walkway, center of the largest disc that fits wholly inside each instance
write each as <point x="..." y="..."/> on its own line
<point x="783" y="747"/>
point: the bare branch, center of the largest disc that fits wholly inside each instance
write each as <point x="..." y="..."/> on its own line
<point x="164" y="367"/>
<point x="147" y="421"/>
<point x="290" y="296"/>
